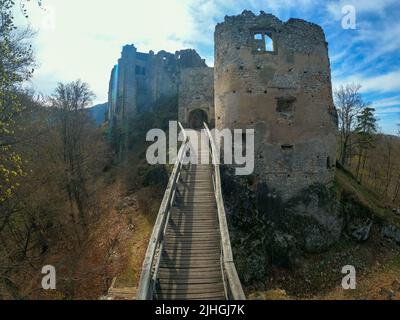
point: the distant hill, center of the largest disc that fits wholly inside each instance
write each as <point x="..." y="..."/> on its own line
<point x="98" y="112"/>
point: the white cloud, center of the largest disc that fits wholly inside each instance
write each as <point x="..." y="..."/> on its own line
<point x="389" y="110"/>
<point x="88" y="36"/>
<point x="366" y="49"/>
<point x="379" y="40"/>
<point x="334" y="8"/>
<point x="387" y="102"/>
<point x="388" y="82"/>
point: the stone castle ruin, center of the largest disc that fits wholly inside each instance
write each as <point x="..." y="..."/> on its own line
<point x="141" y="79"/>
<point x="270" y="76"/>
<point x="274" y="77"/>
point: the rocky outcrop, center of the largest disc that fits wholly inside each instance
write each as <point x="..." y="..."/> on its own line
<point x="391" y="232"/>
<point x="315" y="217"/>
<point x="268" y="231"/>
<point x="358" y="219"/>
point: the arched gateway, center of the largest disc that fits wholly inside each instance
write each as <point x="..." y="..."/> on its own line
<point x="196" y="119"/>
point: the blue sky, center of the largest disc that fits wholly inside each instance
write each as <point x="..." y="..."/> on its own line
<point x="83" y="39"/>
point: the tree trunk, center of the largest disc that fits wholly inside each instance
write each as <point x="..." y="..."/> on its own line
<point x="358" y="165"/>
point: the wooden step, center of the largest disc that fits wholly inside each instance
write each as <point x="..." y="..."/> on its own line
<point x="207" y="199"/>
<point x="194" y="288"/>
<point x="186" y="232"/>
<point x="199" y="229"/>
<point x="207" y="274"/>
<point x="195" y="239"/>
<point x="205" y="194"/>
<point x="189" y="235"/>
<point x="207" y="279"/>
<point x="189" y="221"/>
<point x="193" y="218"/>
<point x="189" y="227"/>
<point x="199" y="207"/>
<point x="196" y="233"/>
<point x="189" y="217"/>
<point x="191" y="246"/>
<point x="189" y="264"/>
<point x="196" y="296"/>
<point x="200" y="251"/>
<point x="191" y="243"/>
<point x="190" y="257"/>
<point x="202" y="197"/>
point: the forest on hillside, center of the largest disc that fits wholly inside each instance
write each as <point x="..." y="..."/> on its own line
<point x="59" y="181"/>
<point x="372" y="157"/>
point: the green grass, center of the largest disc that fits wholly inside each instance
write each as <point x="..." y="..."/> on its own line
<point x="395" y="262"/>
<point x="127" y="278"/>
<point x="344" y="181"/>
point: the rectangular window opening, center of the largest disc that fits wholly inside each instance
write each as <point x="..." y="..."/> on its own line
<point x="263" y="42"/>
<point x="286" y="107"/>
<point x="287" y="147"/>
<point x="269" y="43"/>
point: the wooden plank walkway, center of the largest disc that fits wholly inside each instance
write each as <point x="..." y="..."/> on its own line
<point x="190" y="266"/>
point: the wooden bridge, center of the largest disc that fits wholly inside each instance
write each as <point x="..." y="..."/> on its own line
<point x="189" y="254"/>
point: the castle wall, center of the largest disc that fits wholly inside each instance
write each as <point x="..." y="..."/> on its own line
<point x="126" y="102"/>
<point x="196" y="91"/>
<point x="112" y="92"/>
<point x="140" y="79"/>
<point x="284" y="94"/>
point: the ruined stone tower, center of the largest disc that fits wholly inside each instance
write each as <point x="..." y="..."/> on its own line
<point x="141" y="79"/>
<point x="274" y="77"/>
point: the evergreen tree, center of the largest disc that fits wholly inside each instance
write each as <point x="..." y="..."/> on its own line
<point x="365" y="130"/>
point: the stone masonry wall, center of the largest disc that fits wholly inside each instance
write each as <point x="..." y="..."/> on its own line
<point x="284" y="94"/>
<point x="140" y="79"/>
<point x="196" y="91"/>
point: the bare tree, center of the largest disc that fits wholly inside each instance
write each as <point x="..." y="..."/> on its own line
<point x="396" y="191"/>
<point x="70" y="100"/>
<point x="349" y="104"/>
<point x="389" y="164"/>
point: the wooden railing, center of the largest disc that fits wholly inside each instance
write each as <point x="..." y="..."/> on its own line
<point x="233" y="287"/>
<point x="149" y="275"/>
